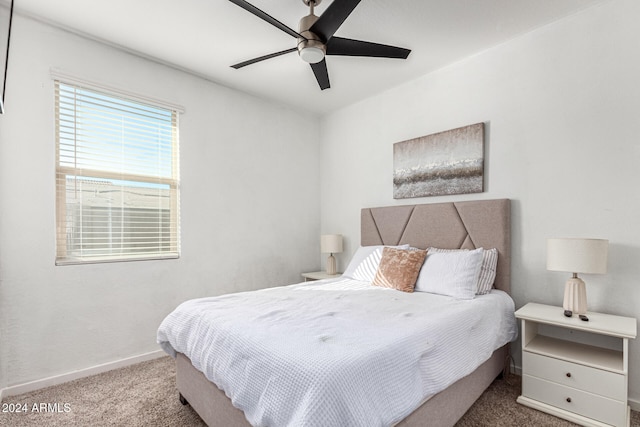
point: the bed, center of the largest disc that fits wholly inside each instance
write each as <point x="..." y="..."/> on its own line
<point x="456" y="225"/>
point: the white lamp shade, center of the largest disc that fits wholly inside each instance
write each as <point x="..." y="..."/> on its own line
<point x="587" y="256"/>
<point x="331" y="243"/>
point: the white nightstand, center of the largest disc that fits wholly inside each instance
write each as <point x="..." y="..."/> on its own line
<point x="318" y="275"/>
<point x="574" y="369"/>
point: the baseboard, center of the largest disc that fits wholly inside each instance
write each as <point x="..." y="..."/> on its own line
<point x="74" y="375"/>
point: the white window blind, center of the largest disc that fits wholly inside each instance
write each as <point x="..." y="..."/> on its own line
<point x="117" y="178"/>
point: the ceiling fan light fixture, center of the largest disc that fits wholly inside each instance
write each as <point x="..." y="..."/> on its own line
<point x="311" y="50"/>
<point x="312" y="54"/>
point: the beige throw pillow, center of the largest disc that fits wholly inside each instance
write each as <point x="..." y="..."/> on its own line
<point x="399" y="268"/>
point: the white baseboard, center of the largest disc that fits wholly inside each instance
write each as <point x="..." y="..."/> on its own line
<point x="74" y="375"/>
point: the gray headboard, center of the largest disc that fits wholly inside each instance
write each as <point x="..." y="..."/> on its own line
<point x="454" y="225"/>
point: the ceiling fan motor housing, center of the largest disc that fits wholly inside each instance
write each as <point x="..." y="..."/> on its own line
<point x="311" y="49"/>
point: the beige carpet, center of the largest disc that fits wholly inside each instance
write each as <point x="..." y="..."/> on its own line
<point x="145" y="395"/>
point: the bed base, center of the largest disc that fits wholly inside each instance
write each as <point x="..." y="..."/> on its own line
<point x="442" y="410"/>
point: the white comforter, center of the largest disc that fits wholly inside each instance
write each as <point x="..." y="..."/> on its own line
<point x="338" y="352"/>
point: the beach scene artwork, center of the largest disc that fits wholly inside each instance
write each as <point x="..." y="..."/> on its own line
<point x="450" y="162"/>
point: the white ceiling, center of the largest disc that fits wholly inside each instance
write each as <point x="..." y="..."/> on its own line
<point x="205" y="37"/>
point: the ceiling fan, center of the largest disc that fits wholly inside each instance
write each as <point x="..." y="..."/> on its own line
<point x="316" y="38"/>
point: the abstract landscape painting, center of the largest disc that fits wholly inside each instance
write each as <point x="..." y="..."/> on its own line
<point x="450" y="162"/>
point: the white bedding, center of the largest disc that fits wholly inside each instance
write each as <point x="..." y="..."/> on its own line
<point x="336" y="353"/>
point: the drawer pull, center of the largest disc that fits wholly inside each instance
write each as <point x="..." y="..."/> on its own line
<point x="569" y="399"/>
<point x="568" y="374"/>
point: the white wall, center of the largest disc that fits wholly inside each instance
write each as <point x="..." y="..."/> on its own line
<point x="561" y="106"/>
<point x="249" y="199"/>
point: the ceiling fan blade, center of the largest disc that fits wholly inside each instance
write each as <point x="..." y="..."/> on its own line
<point x="349" y="47"/>
<point x="266" y="17"/>
<point x="321" y="73"/>
<point x="329" y="22"/>
<point x="262" y="58"/>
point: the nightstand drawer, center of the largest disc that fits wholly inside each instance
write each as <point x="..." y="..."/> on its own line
<point x="580" y="402"/>
<point x="592" y="380"/>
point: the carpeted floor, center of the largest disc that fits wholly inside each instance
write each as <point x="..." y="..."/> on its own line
<point x="145" y="395"/>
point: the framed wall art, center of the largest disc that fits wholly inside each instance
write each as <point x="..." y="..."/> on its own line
<point x="449" y="162"/>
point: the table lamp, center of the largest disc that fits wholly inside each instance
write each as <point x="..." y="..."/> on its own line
<point x="331" y="244"/>
<point x="588" y="256"/>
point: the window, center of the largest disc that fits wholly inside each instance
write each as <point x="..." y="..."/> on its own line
<point x="117" y="183"/>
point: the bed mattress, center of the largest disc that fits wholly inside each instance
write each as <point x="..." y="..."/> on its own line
<point x="337" y="352"/>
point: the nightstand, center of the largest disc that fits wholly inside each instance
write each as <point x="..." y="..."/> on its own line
<point x="319" y="275"/>
<point x="574" y="369"/>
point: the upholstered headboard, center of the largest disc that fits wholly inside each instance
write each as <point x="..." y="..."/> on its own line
<point x="455" y="225"/>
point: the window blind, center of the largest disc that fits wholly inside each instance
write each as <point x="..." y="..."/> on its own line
<point x="117" y="178"/>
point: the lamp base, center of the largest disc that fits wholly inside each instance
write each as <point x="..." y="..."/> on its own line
<point x="331" y="264"/>
<point x="575" y="296"/>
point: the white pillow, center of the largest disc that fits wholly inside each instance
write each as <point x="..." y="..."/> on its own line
<point x="451" y="273"/>
<point x="487" y="272"/>
<point x="365" y="262"/>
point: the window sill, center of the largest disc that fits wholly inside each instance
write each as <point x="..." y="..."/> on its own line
<point x="108" y="259"/>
